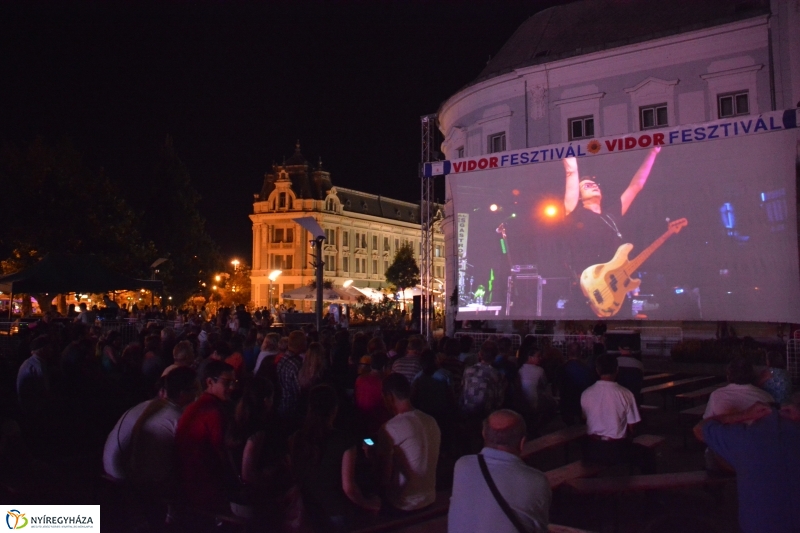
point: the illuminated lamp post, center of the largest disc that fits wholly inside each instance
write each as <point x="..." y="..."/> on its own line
<point x="272" y="277"/>
<point x="235" y="264"/>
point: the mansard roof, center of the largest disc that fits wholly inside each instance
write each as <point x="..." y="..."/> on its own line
<point x="591" y="25"/>
<point x="378" y="206"/>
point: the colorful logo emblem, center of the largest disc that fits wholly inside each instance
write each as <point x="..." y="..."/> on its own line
<point x="16" y="519"/>
<point x="594" y="146"/>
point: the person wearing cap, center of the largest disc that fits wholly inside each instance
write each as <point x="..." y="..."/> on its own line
<point x="33" y="378"/>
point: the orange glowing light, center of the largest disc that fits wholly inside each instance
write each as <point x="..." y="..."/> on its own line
<point x="515" y="192"/>
<point x="493" y="207"/>
<point x="551" y="211"/>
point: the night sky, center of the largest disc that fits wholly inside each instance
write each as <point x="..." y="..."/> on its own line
<point x="236" y="84"/>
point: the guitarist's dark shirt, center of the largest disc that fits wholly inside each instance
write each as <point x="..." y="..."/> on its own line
<point x="593" y="237"/>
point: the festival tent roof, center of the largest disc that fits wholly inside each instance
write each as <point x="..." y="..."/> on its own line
<point x="328" y="295"/>
<point x="61" y="273"/>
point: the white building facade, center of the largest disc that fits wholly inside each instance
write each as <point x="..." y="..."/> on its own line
<point x="363" y="232"/>
<point x="594" y="68"/>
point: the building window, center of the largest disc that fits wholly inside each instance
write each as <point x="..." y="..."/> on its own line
<point x="385" y="265"/>
<point x="396" y="244"/>
<point x="346" y="264"/>
<point x="330" y="263"/>
<point x="653" y="116"/>
<point x="733" y="104"/>
<point x="374" y="242"/>
<point x="460" y="152"/>
<point x="282" y="200"/>
<point x="282" y="262"/>
<point x="374" y="266"/>
<point x="363" y="265"/>
<point x="330" y="236"/>
<point x="283" y="235"/>
<point x="581" y="128"/>
<point x="386" y="244"/>
<point x="358" y="240"/>
<point x="358" y="266"/>
<point x="364" y="241"/>
<point x="497" y="142"/>
<point x="437" y="250"/>
<point x="345" y="239"/>
<point x="330" y="205"/>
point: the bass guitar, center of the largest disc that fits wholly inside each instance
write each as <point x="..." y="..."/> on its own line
<point x="605" y="285"/>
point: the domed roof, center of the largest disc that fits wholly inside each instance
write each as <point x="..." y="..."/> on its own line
<point x="297" y="158"/>
<point x="590" y="25"/>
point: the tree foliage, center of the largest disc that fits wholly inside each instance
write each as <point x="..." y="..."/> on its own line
<point x="403" y="273"/>
<point x="59" y="204"/>
<point x="173" y="222"/>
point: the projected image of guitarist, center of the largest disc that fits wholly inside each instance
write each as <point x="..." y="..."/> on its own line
<point x="597" y="232"/>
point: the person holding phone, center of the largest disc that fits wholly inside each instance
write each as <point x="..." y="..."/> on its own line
<point x="323" y="461"/>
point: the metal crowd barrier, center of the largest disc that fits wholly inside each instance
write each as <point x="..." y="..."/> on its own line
<point x="479" y="337"/>
<point x="793" y="360"/>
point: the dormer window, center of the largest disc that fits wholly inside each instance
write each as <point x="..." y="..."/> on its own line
<point x="331" y="205"/>
<point x="282" y="200"/>
<point x="398" y="213"/>
<point x="347" y="203"/>
<point x="363" y="205"/>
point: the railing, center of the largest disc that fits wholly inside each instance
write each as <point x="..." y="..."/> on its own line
<point x="793" y="360"/>
<point x="478" y="338"/>
<point x="658" y="340"/>
<point x="560" y="341"/>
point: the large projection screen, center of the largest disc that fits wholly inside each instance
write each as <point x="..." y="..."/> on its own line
<point x="695" y="231"/>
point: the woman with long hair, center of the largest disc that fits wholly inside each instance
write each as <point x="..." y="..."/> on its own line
<point x="314" y="367"/>
<point x="324" y="465"/>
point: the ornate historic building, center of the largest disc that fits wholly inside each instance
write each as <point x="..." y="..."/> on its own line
<point x="363" y="231"/>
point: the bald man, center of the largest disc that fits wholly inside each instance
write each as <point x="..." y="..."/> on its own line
<point x="474" y="508"/>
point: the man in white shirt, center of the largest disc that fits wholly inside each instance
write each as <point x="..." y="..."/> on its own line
<point x="611" y="413"/>
<point x="408" y="449"/>
<point x="141" y="447"/>
<point x="532" y="378"/>
<point x="33" y="379"/>
<point x="739" y="394"/>
<point x="473" y="507"/>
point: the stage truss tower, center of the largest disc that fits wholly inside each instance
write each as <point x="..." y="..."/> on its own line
<point x="426" y="215"/>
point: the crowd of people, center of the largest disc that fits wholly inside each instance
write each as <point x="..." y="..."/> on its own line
<point x="312" y="429"/>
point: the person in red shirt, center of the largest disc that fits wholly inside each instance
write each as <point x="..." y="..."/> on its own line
<point x="368" y="396"/>
<point x="200" y="440"/>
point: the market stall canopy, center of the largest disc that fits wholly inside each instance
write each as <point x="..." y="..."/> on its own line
<point x="62" y="273"/>
<point x="328" y="295"/>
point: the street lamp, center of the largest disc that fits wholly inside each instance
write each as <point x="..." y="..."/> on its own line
<point x="235" y="264"/>
<point x="272" y="277"/>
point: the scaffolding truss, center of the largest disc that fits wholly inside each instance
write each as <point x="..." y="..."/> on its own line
<point x="426" y="215"/>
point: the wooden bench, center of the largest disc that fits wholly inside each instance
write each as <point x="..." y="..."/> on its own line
<point x="698" y="394"/>
<point x="670" y="386"/>
<point x="690" y="417"/>
<point x="656" y="377"/>
<point x="650" y="442"/>
<point x="553" y="440"/>
<point x="382" y="523"/>
<point x="647" y="482"/>
<point x="575" y="470"/>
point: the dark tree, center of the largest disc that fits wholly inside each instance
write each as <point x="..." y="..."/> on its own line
<point x="168" y="203"/>
<point x="403" y="273"/>
<point x="58" y="203"/>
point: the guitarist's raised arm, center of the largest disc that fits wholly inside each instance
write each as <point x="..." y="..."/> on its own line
<point x="572" y="191"/>
<point x="639" y="179"/>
